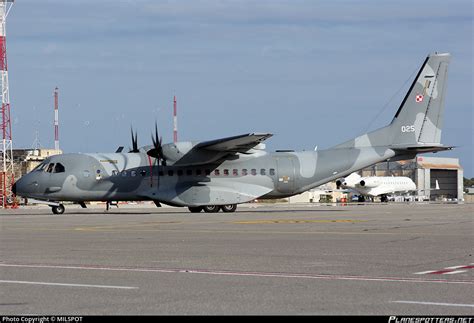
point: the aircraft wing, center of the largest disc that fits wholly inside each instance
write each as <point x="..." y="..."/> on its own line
<point x="211" y="151"/>
<point x="241" y="143"/>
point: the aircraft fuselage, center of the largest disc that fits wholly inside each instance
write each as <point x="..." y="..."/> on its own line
<point x="136" y="176"/>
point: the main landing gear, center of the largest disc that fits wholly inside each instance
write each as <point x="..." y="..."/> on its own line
<point x="213" y="208"/>
<point x="58" y="209"/>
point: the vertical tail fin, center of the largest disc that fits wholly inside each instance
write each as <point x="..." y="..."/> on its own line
<point x="419" y="118"/>
<point x="418" y="121"/>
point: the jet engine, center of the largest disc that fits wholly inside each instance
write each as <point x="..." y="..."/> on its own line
<point x="340" y="183"/>
<point x="349" y="181"/>
<point x="369" y="182"/>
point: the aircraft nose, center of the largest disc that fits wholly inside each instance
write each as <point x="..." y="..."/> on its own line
<point x="18" y="187"/>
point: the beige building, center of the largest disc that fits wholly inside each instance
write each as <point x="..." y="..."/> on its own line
<point x="25" y="160"/>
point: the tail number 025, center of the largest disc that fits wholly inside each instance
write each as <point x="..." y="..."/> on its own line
<point x="408" y="128"/>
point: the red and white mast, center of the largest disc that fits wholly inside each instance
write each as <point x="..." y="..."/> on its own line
<point x="175" y="121"/>
<point x="56" y="119"/>
<point x="7" y="177"/>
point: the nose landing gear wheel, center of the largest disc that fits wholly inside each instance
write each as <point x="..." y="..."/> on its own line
<point x="195" y="209"/>
<point x="58" y="209"/>
<point x="229" y="208"/>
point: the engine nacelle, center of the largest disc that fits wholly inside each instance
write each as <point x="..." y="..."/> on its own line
<point x="341" y="183"/>
<point x="369" y="182"/>
<point x="175" y="151"/>
<point x="349" y="181"/>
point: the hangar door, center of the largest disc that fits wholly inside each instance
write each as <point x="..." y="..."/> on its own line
<point x="448" y="183"/>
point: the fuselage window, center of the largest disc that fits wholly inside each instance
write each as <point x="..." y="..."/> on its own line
<point x="124" y="173"/>
<point x="170" y="173"/>
<point x="235" y="172"/>
<point x="161" y="173"/>
<point x="217" y="172"/>
<point x="262" y="171"/>
<point x="180" y="172"/>
<point x="244" y="172"/>
<point x="272" y="171"/>
<point x="253" y="171"/>
<point x="198" y="172"/>
<point x="189" y="172"/>
<point x="133" y="173"/>
<point x="226" y="172"/>
<point x="143" y="173"/>
<point x="114" y="172"/>
<point x="208" y="172"/>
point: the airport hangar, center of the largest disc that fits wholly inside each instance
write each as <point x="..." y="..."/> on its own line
<point x="424" y="171"/>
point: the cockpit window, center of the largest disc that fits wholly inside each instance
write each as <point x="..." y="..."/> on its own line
<point x="50" y="168"/>
<point x="59" y="168"/>
<point x="40" y="167"/>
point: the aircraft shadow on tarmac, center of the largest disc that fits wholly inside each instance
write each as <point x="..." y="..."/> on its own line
<point x="128" y="212"/>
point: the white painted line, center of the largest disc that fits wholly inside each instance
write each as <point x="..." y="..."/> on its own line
<point x="424" y="272"/>
<point x="455" y="267"/>
<point x="66" y="285"/>
<point x="436" y="304"/>
<point x="243" y="273"/>
<point x="455" y="272"/>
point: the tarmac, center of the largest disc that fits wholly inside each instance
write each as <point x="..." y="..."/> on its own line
<point x="373" y="259"/>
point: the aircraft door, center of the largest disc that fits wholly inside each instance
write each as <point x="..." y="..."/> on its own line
<point x="286" y="174"/>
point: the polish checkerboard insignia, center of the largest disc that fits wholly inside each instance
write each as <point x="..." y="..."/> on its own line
<point x="419" y="98"/>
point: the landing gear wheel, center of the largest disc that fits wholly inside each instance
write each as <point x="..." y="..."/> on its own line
<point x="58" y="209"/>
<point x="229" y="208"/>
<point x="211" y="208"/>
<point x="361" y="199"/>
<point x="384" y="199"/>
<point x="195" y="209"/>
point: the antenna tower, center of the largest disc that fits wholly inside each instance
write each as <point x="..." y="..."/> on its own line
<point x="7" y="176"/>
<point x="56" y="119"/>
<point x="175" y="121"/>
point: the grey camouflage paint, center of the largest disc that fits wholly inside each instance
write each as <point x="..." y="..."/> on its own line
<point x="416" y="128"/>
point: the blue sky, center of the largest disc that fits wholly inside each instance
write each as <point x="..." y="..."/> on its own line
<point x="311" y="72"/>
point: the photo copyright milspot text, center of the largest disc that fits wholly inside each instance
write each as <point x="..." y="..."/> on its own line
<point x="41" y="319"/>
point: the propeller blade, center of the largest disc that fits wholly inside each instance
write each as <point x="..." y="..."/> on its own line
<point x="134" y="141"/>
<point x="157" y="150"/>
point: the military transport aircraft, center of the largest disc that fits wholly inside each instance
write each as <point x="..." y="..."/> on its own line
<point x="219" y="174"/>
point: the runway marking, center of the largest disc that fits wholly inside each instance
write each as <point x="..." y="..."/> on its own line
<point x="63" y="284"/>
<point x="453" y="270"/>
<point x="295" y="221"/>
<point x="432" y="303"/>
<point x="125" y="226"/>
<point x="243" y="273"/>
